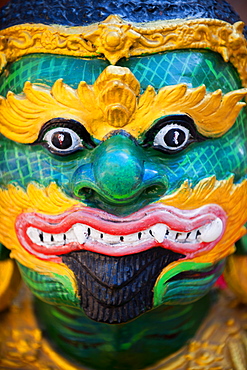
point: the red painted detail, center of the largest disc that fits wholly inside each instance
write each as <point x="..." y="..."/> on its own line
<point x="221" y="283"/>
<point x="176" y="219"/>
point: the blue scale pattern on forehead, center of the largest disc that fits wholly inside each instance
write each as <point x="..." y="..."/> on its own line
<point x="47" y="68"/>
<point x="193" y="67"/>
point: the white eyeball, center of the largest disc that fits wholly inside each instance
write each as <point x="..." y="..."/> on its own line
<point x="62" y="140"/>
<point x="172" y="137"/>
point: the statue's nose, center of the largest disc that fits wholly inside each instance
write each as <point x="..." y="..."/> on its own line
<point x="119" y="172"/>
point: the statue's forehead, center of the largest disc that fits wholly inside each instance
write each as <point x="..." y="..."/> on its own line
<point x="194" y="67"/>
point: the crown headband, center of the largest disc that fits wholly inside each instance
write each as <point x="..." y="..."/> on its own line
<point x="114" y="39"/>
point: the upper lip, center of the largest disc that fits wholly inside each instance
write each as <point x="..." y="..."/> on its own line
<point x="181" y="221"/>
<point x="138" y="221"/>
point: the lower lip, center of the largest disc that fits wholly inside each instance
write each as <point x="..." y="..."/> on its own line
<point x="175" y="219"/>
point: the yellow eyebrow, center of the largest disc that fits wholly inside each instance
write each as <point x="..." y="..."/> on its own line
<point x="113" y="102"/>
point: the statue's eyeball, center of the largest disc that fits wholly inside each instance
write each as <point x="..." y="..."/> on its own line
<point x="172" y="137"/>
<point x="62" y="140"/>
<point x="172" y="134"/>
<point x="64" y="136"/>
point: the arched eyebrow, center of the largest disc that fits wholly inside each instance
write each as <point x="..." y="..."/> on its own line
<point x="113" y="102"/>
<point x="212" y="112"/>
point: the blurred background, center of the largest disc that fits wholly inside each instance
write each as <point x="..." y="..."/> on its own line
<point x="241" y="7"/>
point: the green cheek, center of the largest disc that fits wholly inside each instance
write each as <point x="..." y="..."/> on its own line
<point x="23" y="164"/>
<point x="120" y="169"/>
<point x="186" y="282"/>
<point x="54" y="290"/>
<point x="221" y="158"/>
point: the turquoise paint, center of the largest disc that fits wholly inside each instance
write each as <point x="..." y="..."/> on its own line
<point x="54" y="289"/>
<point x="132" y="346"/>
<point x="162" y="331"/>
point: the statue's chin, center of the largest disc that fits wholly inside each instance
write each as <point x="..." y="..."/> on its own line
<point x="115" y="290"/>
<point x="117" y="260"/>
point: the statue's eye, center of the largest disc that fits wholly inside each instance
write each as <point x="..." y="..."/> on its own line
<point x="62" y="140"/>
<point x="172" y="134"/>
<point x="64" y="136"/>
<point x="172" y="137"/>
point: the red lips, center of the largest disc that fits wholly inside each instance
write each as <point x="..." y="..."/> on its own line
<point x="85" y="228"/>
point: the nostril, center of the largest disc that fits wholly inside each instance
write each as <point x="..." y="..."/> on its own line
<point x="84" y="192"/>
<point x="155" y="190"/>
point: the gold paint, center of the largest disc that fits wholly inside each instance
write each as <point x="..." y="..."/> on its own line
<point x="114" y="39"/>
<point x="212" y="113"/>
<point x="116" y="91"/>
<point x="116" y="104"/>
<point x="51" y="201"/>
<point x="215" y="346"/>
<point x="231" y="197"/>
<point x="48" y="200"/>
<point x="21" y="343"/>
<point x="236" y="276"/>
<point x="9" y="282"/>
<point x="61" y="362"/>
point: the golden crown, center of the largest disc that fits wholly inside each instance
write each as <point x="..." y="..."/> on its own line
<point x="114" y="39"/>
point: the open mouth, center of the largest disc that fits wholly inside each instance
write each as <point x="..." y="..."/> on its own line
<point x="117" y="289"/>
<point x="182" y="231"/>
<point x="117" y="260"/>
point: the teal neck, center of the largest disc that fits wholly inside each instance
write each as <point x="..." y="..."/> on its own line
<point x="130" y="346"/>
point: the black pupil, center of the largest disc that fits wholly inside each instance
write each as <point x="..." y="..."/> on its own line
<point x="174" y="137"/>
<point x="61" y="140"/>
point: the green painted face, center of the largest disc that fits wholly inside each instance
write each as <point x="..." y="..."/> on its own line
<point x="148" y="215"/>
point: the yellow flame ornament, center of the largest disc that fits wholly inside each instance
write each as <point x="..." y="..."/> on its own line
<point x="117" y="104"/>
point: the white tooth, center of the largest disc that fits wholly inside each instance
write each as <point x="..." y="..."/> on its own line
<point x="145" y="235"/>
<point x="192" y="236"/>
<point x="70" y="236"/>
<point x="172" y="235"/>
<point x="34" y="235"/>
<point x="131" y="238"/>
<point x="181" y="237"/>
<point x="111" y="239"/>
<point x="46" y="238"/>
<point x="211" y="232"/>
<point x="94" y="234"/>
<point x="80" y="233"/>
<point x="58" y="238"/>
<point x="158" y="232"/>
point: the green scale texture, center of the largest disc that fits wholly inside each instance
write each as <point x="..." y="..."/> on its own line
<point x="193" y="67"/>
<point x="163" y="330"/>
<point x="220" y="157"/>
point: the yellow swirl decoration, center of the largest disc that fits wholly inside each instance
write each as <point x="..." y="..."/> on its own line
<point x="231" y="197"/>
<point x="48" y="200"/>
<point x="114" y="39"/>
<point x="116" y="104"/>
